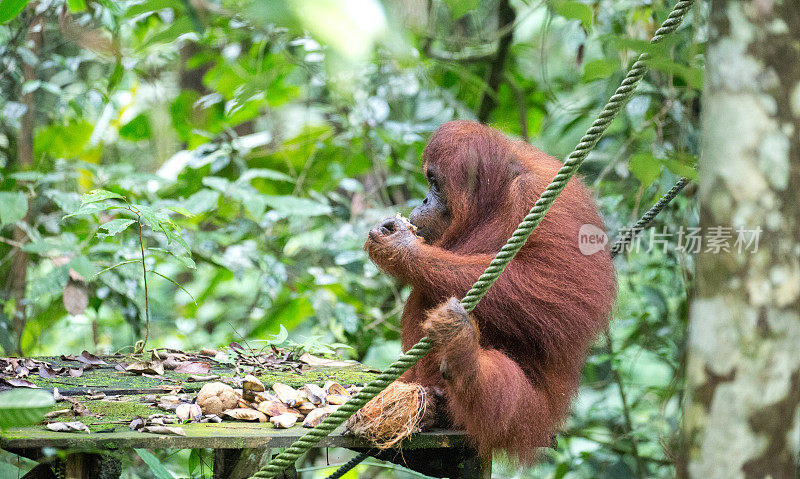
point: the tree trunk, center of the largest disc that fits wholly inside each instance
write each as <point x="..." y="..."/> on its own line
<point x="18" y="273"/>
<point x="743" y="375"/>
<point x="505" y="20"/>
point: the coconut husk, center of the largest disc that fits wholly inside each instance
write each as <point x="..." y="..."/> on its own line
<point x="393" y="415"/>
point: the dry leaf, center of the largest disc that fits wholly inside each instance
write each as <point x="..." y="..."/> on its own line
<point x="178" y="431"/>
<point x="186" y="412"/>
<point x="284" y="421"/>
<point x="46" y="372"/>
<point x="315" y="417"/>
<point x="306" y="407"/>
<point x="337" y="399"/>
<point x="335" y="388"/>
<point x="276" y="408"/>
<point x="57" y="413"/>
<point x="20" y="383"/>
<point x="193" y="367"/>
<point x="312" y="360"/>
<point x="75" y="297"/>
<point x="286" y="394"/>
<point x="201" y="378"/>
<point x="146" y="367"/>
<point x="246" y="414"/>
<point x="137" y="423"/>
<point x="89" y="358"/>
<point x="75" y="426"/>
<point x="314" y="393"/>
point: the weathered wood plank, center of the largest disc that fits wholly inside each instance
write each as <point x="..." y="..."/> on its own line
<point x="225" y="435"/>
<point x="110" y="428"/>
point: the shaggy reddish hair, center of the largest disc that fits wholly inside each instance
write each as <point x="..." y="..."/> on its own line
<point x="514" y="373"/>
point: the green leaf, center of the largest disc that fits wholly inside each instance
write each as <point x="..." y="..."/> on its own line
<point x="294" y="206"/>
<point x="597" y="69"/>
<point x="76" y="5"/>
<point x="194" y="460"/>
<point x="682" y="164"/>
<point x="11" y="470"/>
<point x="24" y="406"/>
<point x="188" y="262"/>
<point x="156" y="218"/>
<point x="575" y="10"/>
<point x="50" y="283"/>
<point x="114" y="227"/>
<point x="459" y="8"/>
<point x="100" y="195"/>
<point x="202" y="201"/>
<point x="180" y="26"/>
<point x="279" y="338"/>
<point x="154" y="464"/>
<point x="83" y="266"/>
<point x="175" y="235"/>
<point x="91" y="208"/>
<point x="13" y="206"/>
<point x="136" y="129"/>
<point x="68" y="139"/>
<point x="11" y="8"/>
<point x="645" y="167"/>
<point x="181" y="210"/>
<point x="66" y="201"/>
<point x="264" y="173"/>
<point x="311" y="240"/>
<point x="27" y="176"/>
<point x="149" y="6"/>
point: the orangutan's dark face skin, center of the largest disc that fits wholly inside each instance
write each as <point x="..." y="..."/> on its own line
<point x="432" y="217"/>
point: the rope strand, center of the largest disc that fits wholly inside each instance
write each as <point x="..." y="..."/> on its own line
<point x="648" y="217"/>
<point x="498" y="264"/>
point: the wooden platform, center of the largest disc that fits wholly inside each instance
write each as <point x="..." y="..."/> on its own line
<point x="441" y="453"/>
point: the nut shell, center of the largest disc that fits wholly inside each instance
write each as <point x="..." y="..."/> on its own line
<point x="216" y="397"/>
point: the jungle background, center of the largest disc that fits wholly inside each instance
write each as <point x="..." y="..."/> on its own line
<point x="273" y="135"/>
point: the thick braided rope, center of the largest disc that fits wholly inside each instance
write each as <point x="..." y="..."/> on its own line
<point x="498" y="264"/>
<point x="648" y="217"/>
<point x="345" y="468"/>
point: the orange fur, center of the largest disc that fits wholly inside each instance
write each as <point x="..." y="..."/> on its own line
<point x="515" y="364"/>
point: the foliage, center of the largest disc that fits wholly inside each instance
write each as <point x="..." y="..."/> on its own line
<point x="23" y="406"/>
<point x="260" y="140"/>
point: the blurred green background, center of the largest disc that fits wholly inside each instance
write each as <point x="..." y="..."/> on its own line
<point x="289" y="128"/>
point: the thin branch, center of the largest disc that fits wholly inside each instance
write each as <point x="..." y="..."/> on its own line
<point x="175" y="283"/>
<point x="464" y="56"/>
<point x="11" y="242"/>
<point x="146" y="295"/>
<point x="618" y="448"/>
<point x="116" y="265"/>
<point x="626" y="413"/>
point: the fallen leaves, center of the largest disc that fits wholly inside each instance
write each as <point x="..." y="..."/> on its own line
<point x="74" y="426"/>
<point x="193" y="367"/>
<point x="312" y="360"/>
<point x="146" y="367"/>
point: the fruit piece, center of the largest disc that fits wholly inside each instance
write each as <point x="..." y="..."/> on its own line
<point x="216" y="397"/>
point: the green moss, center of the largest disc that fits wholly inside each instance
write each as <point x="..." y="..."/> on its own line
<point x="121" y="409"/>
<point x="110" y="380"/>
<point x="318" y="375"/>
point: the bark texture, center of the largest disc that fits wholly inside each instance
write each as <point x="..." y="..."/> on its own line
<point x="741" y="414"/>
